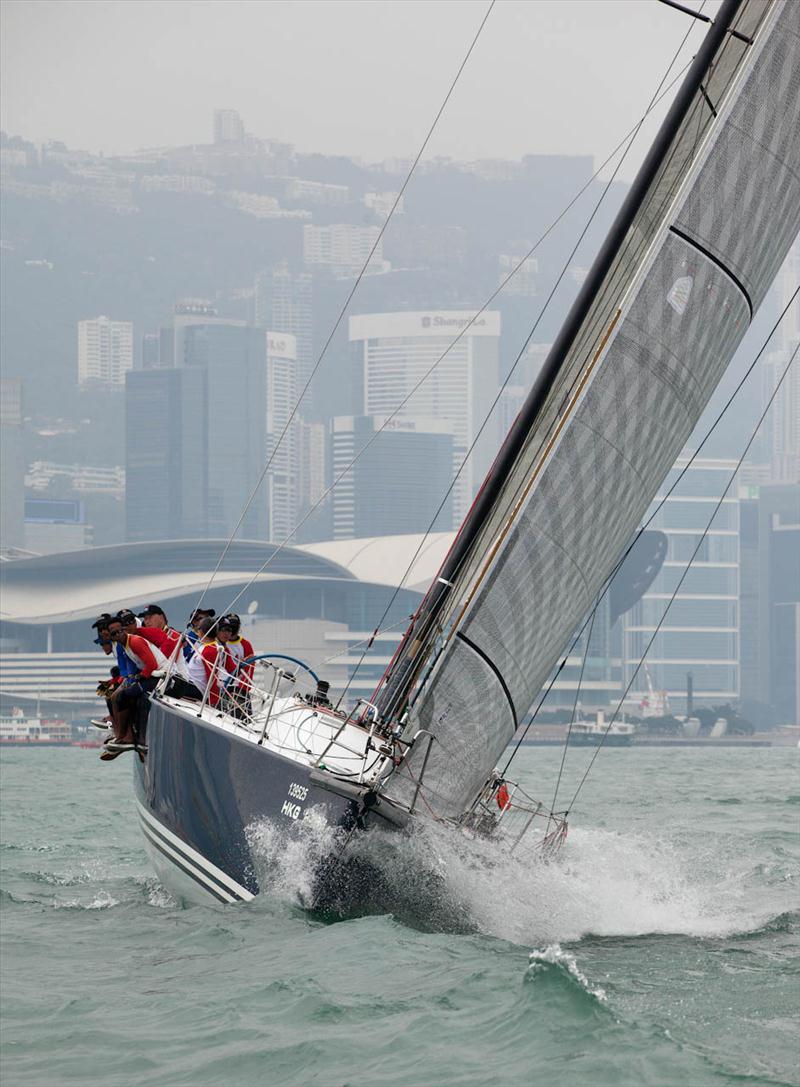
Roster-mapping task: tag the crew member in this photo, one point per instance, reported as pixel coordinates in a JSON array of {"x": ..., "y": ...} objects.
[
  {"x": 191, "y": 634},
  {"x": 102, "y": 639},
  {"x": 210, "y": 663},
  {"x": 239, "y": 647},
  {"x": 237, "y": 684},
  {"x": 156, "y": 628},
  {"x": 130, "y": 704}
]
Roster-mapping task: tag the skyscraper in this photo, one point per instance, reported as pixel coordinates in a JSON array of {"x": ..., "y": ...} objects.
[
  {"x": 312, "y": 513},
  {"x": 284, "y": 303},
  {"x": 105, "y": 351},
  {"x": 232, "y": 355},
  {"x": 700, "y": 633},
  {"x": 398, "y": 484},
  {"x": 281, "y": 481},
  {"x": 770, "y": 602},
  {"x": 151, "y": 353},
  {"x": 167, "y": 452},
  {"x": 397, "y": 350}
]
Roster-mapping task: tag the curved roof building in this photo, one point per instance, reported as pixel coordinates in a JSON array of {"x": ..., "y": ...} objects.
[
  {"x": 77, "y": 585},
  {"x": 336, "y": 591}
]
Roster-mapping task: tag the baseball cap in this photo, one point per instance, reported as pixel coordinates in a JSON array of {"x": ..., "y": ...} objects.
[
  {"x": 199, "y": 613},
  {"x": 152, "y": 609}
]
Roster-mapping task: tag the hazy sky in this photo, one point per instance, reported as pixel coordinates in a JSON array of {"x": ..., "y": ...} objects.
[{"x": 359, "y": 77}]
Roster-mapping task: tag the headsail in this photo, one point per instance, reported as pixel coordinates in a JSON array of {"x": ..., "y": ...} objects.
[{"x": 694, "y": 250}]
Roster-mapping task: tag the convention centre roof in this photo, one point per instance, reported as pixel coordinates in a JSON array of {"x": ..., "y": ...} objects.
[{"x": 75, "y": 584}]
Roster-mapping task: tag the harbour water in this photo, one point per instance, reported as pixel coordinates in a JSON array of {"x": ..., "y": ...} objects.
[{"x": 661, "y": 948}]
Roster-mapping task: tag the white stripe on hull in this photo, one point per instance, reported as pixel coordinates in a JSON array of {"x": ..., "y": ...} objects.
[
  {"x": 161, "y": 852},
  {"x": 219, "y": 883}
]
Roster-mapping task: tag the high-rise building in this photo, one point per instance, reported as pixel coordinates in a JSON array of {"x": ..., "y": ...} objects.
[
  {"x": 228, "y": 126},
  {"x": 203, "y": 410},
  {"x": 313, "y": 519},
  {"x": 700, "y": 633},
  {"x": 151, "y": 351},
  {"x": 105, "y": 351},
  {"x": 284, "y": 303},
  {"x": 524, "y": 279},
  {"x": 770, "y": 602},
  {"x": 232, "y": 355},
  {"x": 344, "y": 246},
  {"x": 167, "y": 452},
  {"x": 12, "y": 464},
  {"x": 281, "y": 481},
  {"x": 398, "y": 484},
  {"x": 411, "y": 359}
]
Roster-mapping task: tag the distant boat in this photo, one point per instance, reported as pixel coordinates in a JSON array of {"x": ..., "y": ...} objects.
[
  {"x": 18, "y": 730},
  {"x": 597, "y": 732},
  {"x": 694, "y": 249}
]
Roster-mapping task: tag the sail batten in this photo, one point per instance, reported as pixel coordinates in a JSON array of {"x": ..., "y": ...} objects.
[{"x": 715, "y": 210}]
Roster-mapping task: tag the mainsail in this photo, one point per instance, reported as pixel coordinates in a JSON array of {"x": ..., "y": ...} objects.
[{"x": 704, "y": 230}]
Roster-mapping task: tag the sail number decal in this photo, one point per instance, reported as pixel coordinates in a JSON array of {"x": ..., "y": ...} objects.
[{"x": 296, "y": 792}]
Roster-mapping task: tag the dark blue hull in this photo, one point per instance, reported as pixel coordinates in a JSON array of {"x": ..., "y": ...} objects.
[{"x": 201, "y": 787}]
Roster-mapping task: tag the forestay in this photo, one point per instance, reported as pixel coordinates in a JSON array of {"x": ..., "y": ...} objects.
[{"x": 695, "y": 249}]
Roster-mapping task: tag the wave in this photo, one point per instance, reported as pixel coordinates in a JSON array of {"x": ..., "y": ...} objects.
[
  {"x": 602, "y": 883},
  {"x": 553, "y": 960},
  {"x": 787, "y": 922},
  {"x": 101, "y": 901},
  {"x": 94, "y": 886}
]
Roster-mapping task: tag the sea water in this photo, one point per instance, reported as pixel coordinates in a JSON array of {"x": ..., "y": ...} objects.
[{"x": 659, "y": 948}]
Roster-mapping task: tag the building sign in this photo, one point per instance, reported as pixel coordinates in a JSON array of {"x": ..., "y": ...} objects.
[
  {"x": 441, "y": 323},
  {"x": 281, "y": 345}
]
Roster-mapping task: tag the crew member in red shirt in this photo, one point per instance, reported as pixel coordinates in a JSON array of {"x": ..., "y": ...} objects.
[
  {"x": 211, "y": 664},
  {"x": 240, "y": 650},
  {"x": 238, "y": 646},
  {"x": 156, "y": 628}
]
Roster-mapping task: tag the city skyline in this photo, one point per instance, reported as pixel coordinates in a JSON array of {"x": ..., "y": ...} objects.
[
  {"x": 573, "y": 47},
  {"x": 215, "y": 364}
]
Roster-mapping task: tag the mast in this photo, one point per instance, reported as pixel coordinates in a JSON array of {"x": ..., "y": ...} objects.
[{"x": 402, "y": 672}]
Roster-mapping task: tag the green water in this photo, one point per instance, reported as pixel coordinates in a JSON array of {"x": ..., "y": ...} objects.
[{"x": 661, "y": 948}]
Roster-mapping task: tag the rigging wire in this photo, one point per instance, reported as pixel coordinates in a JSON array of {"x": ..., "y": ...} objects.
[
  {"x": 574, "y": 710},
  {"x": 630, "y": 137},
  {"x": 607, "y": 584},
  {"x": 279, "y": 547},
  {"x": 348, "y": 300},
  {"x": 716, "y": 509}
]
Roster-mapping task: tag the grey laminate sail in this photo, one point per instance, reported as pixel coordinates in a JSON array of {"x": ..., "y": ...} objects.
[{"x": 718, "y": 212}]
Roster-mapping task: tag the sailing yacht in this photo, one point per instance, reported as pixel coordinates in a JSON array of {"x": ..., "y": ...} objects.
[{"x": 688, "y": 261}]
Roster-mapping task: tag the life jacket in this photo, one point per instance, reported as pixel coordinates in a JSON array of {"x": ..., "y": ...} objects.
[{"x": 503, "y": 797}]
